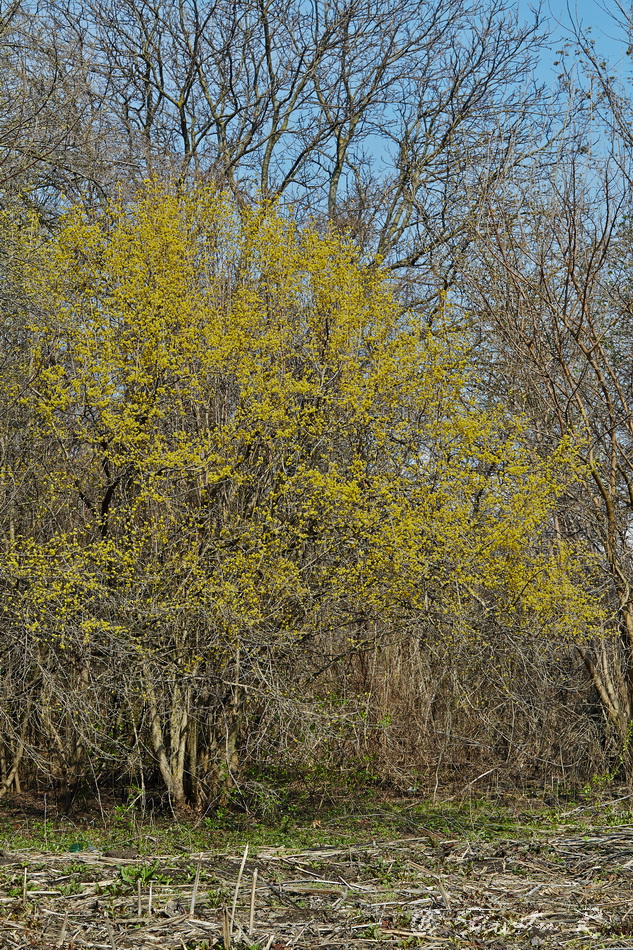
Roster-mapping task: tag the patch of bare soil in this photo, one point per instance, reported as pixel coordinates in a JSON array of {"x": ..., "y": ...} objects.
[{"x": 562, "y": 890}]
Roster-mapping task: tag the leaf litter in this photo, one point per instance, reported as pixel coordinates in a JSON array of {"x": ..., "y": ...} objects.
[{"x": 543, "y": 890}]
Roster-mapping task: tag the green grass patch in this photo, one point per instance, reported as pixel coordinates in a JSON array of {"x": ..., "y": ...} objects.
[{"x": 299, "y": 822}]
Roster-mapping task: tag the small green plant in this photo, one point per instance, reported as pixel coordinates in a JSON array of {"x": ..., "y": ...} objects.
[
  {"x": 143, "y": 874},
  {"x": 372, "y": 933},
  {"x": 599, "y": 783},
  {"x": 67, "y": 890},
  {"x": 218, "y": 896}
]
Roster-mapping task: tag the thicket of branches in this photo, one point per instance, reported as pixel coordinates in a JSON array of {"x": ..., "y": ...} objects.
[{"x": 315, "y": 397}]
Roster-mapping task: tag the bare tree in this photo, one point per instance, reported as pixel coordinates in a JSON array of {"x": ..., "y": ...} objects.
[
  {"x": 551, "y": 285},
  {"x": 395, "y": 121}
]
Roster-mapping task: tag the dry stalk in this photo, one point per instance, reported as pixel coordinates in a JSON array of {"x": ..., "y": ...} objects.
[
  {"x": 226, "y": 929},
  {"x": 194, "y": 893},
  {"x": 108, "y": 927},
  {"x": 445, "y": 899},
  {"x": 237, "y": 888},
  {"x": 62, "y": 932},
  {"x": 251, "y": 913}
]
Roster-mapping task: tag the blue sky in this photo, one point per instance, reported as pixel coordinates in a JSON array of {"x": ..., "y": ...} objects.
[{"x": 610, "y": 40}]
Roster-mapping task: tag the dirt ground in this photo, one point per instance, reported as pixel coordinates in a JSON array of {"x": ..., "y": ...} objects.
[{"x": 569, "y": 887}]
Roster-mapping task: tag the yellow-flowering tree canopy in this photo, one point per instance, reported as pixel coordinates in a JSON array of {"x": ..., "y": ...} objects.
[{"x": 245, "y": 444}]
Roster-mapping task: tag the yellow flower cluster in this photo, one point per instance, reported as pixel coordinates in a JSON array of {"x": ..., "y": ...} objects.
[{"x": 247, "y": 437}]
